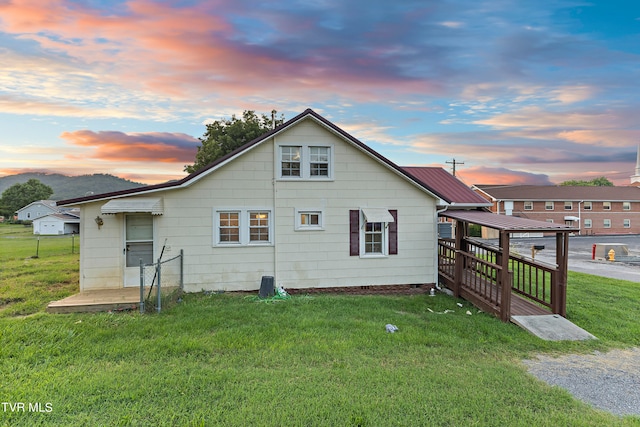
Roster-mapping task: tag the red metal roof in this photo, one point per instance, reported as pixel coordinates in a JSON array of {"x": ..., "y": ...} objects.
[{"x": 447, "y": 186}]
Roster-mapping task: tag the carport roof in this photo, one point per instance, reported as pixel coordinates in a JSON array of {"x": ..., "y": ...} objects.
[{"x": 507, "y": 223}]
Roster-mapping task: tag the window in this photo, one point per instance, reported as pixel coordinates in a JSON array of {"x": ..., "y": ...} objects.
[
  {"x": 259, "y": 226},
  {"x": 374, "y": 238},
  {"x": 373, "y": 232},
  {"x": 549, "y": 220},
  {"x": 626, "y": 206},
  {"x": 528, "y": 206},
  {"x": 319, "y": 161},
  {"x": 229, "y": 227},
  {"x": 587, "y": 223},
  {"x": 548, "y": 206},
  {"x": 239, "y": 227},
  {"x": 308, "y": 162},
  {"x": 627, "y": 223},
  {"x": 290, "y": 161},
  {"x": 607, "y": 223},
  {"x": 587, "y": 206},
  {"x": 309, "y": 219},
  {"x": 568, "y": 206},
  {"x": 606, "y": 206},
  {"x": 139, "y": 239}
]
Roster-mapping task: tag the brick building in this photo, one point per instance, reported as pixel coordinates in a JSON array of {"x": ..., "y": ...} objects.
[{"x": 595, "y": 210}]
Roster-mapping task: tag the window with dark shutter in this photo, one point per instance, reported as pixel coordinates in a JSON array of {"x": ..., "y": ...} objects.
[
  {"x": 393, "y": 233},
  {"x": 354, "y": 232}
]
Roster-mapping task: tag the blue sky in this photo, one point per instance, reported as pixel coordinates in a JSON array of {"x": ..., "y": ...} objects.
[{"x": 521, "y": 92}]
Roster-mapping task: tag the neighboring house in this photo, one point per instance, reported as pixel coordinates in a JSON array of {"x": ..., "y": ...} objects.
[
  {"x": 57, "y": 223},
  {"x": 36, "y": 210},
  {"x": 594, "y": 210},
  {"x": 306, "y": 203}
]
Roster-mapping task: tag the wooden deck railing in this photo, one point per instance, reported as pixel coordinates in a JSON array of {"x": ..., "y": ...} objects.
[{"x": 479, "y": 273}]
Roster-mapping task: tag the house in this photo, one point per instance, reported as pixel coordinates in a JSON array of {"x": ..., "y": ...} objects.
[
  {"x": 57, "y": 223},
  {"x": 36, "y": 210},
  {"x": 593, "y": 210},
  {"x": 306, "y": 203}
]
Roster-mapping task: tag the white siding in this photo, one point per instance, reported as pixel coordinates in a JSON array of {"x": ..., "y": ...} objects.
[
  {"x": 303, "y": 258},
  {"x": 188, "y": 223},
  {"x": 321, "y": 258},
  {"x": 101, "y": 256}
]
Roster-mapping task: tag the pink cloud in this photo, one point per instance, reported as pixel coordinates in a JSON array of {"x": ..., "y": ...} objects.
[
  {"x": 135, "y": 147},
  {"x": 183, "y": 52},
  {"x": 489, "y": 175}
]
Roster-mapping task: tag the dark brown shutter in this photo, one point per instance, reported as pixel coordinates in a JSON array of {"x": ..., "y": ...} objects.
[
  {"x": 354, "y": 232},
  {"x": 393, "y": 233}
]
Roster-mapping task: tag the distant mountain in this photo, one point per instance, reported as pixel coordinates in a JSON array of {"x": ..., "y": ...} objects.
[{"x": 70, "y": 187}]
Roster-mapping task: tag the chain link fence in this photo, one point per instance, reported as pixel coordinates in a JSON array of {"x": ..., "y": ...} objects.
[{"x": 161, "y": 282}]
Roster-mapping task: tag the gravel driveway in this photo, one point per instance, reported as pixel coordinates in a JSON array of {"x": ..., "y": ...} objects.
[{"x": 608, "y": 381}]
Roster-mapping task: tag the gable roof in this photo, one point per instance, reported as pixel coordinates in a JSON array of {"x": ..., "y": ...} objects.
[
  {"x": 559, "y": 192},
  {"x": 64, "y": 217},
  {"x": 454, "y": 191},
  {"x": 443, "y": 194},
  {"x": 51, "y": 204}
]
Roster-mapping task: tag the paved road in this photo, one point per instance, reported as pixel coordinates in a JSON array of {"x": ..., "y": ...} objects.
[{"x": 580, "y": 248}]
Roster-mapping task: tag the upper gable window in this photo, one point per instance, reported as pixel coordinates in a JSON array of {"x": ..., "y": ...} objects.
[
  {"x": 290, "y": 161},
  {"x": 310, "y": 162},
  {"x": 319, "y": 161}
]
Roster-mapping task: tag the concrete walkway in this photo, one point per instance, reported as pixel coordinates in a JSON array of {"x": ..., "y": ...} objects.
[{"x": 552, "y": 327}]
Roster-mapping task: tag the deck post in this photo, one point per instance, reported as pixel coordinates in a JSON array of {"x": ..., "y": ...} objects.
[
  {"x": 559, "y": 288},
  {"x": 505, "y": 279},
  {"x": 459, "y": 260}
]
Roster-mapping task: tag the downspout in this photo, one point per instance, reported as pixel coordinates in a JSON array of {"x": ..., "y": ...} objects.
[
  {"x": 435, "y": 259},
  {"x": 275, "y": 192}
]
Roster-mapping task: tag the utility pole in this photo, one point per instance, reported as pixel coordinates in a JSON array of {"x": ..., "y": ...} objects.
[{"x": 454, "y": 163}]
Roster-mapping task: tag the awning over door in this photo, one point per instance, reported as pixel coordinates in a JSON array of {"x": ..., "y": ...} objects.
[
  {"x": 377, "y": 215},
  {"x": 150, "y": 205},
  {"x": 571, "y": 218}
]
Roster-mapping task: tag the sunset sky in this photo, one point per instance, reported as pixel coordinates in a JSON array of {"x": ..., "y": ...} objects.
[{"x": 526, "y": 91}]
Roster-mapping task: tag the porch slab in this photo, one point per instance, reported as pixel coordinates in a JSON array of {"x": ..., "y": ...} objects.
[
  {"x": 98, "y": 300},
  {"x": 552, "y": 327}
]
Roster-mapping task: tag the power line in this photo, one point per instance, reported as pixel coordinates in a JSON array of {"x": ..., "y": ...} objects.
[{"x": 454, "y": 163}]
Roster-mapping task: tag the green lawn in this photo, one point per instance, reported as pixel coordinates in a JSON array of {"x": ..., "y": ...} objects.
[
  {"x": 35, "y": 271},
  {"x": 308, "y": 361}
]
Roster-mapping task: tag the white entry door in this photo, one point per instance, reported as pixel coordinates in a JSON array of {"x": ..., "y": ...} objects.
[{"x": 138, "y": 246}]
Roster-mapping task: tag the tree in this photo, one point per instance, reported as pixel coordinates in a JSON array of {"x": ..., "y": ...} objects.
[
  {"x": 224, "y": 136},
  {"x": 596, "y": 182},
  {"x": 20, "y": 195}
]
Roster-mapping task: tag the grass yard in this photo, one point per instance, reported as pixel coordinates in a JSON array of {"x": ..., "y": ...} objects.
[
  {"x": 27, "y": 283},
  {"x": 308, "y": 361}
]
